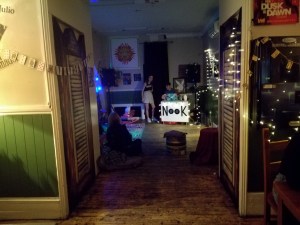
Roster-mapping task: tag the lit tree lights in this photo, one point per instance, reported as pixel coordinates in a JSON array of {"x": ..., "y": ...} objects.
[{"x": 207, "y": 96}]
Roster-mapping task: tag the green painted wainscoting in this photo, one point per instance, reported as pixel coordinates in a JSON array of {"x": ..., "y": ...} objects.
[{"x": 27, "y": 156}]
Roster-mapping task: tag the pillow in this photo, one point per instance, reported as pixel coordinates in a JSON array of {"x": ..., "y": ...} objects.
[{"x": 112, "y": 157}]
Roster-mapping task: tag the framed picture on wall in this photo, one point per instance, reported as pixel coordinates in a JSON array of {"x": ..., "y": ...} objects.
[
  {"x": 137, "y": 77},
  {"x": 124, "y": 53},
  {"x": 179, "y": 85},
  {"x": 126, "y": 78},
  {"x": 275, "y": 12}
]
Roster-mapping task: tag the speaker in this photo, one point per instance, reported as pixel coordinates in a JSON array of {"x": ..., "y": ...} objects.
[
  {"x": 108, "y": 77},
  {"x": 193, "y": 73}
]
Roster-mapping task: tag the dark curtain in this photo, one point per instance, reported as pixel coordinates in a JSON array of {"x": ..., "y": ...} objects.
[{"x": 156, "y": 64}]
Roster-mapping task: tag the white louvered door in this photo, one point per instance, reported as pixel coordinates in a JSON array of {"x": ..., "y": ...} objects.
[{"x": 228, "y": 109}]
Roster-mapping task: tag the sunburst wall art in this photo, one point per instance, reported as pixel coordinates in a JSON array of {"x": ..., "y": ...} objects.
[{"x": 124, "y": 53}]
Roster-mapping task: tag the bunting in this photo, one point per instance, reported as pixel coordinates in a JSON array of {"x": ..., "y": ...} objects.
[
  {"x": 275, "y": 53},
  {"x": 9, "y": 57}
]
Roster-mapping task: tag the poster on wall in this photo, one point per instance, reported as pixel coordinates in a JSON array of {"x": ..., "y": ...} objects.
[
  {"x": 267, "y": 12},
  {"x": 179, "y": 85},
  {"x": 137, "y": 77},
  {"x": 124, "y": 53},
  {"x": 126, "y": 78}
]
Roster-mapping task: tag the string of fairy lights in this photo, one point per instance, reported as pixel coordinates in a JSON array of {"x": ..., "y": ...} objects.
[
  {"x": 230, "y": 92},
  {"x": 230, "y": 85},
  {"x": 285, "y": 92},
  {"x": 212, "y": 78},
  {"x": 214, "y": 83},
  {"x": 212, "y": 72}
]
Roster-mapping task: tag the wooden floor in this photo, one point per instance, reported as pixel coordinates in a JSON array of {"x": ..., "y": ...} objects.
[{"x": 165, "y": 190}]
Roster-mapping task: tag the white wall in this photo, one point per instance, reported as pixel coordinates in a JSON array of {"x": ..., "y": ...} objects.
[
  {"x": 22, "y": 88},
  {"x": 184, "y": 51},
  {"x": 275, "y": 30},
  {"x": 229, "y": 7},
  {"x": 180, "y": 51},
  {"x": 101, "y": 59},
  {"x": 101, "y": 50},
  {"x": 102, "y": 55},
  {"x": 135, "y": 85}
]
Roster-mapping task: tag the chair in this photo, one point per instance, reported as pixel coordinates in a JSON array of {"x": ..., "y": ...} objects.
[{"x": 272, "y": 154}]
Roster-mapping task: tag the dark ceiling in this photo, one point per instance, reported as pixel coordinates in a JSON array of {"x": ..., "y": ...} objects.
[{"x": 153, "y": 17}]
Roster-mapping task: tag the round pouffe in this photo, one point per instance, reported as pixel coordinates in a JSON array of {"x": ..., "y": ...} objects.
[{"x": 176, "y": 142}]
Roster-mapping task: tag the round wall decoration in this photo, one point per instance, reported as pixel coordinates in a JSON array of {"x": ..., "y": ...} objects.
[{"x": 124, "y": 53}]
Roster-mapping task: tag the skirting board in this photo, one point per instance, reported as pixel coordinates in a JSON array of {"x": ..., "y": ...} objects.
[
  {"x": 32, "y": 208},
  {"x": 255, "y": 203}
]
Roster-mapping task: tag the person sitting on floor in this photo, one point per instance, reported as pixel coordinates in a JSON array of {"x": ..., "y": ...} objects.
[
  {"x": 118, "y": 151},
  {"x": 119, "y": 138}
]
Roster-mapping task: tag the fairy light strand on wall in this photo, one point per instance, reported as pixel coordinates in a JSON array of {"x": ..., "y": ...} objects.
[{"x": 281, "y": 90}]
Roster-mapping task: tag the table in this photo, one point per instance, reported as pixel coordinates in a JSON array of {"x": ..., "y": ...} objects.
[
  {"x": 288, "y": 204},
  {"x": 207, "y": 147}
]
